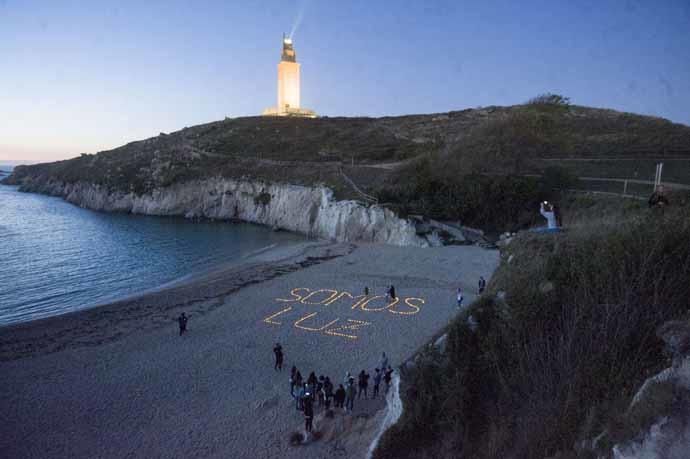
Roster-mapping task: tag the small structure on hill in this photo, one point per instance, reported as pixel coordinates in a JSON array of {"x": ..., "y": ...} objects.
[{"x": 289, "y": 85}]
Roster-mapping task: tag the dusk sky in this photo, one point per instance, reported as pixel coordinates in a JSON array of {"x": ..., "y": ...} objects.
[{"x": 78, "y": 76}]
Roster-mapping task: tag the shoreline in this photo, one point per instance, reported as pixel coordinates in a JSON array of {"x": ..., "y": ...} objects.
[
  {"x": 181, "y": 281},
  {"x": 200, "y": 290},
  {"x": 119, "y": 294},
  {"x": 121, "y": 381}
]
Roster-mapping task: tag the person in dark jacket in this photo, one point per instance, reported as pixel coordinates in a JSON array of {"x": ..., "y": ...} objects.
[
  {"x": 658, "y": 198},
  {"x": 300, "y": 391},
  {"x": 328, "y": 391},
  {"x": 319, "y": 391},
  {"x": 311, "y": 380},
  {"x": 308, "y": 412},
  {"x": 482, "y": 285},
  {"x": 387, "y": 377},
  {"x": 363, "y": 384},
  {"x": 339, "y": 396},
  {"x": 278, "y": 351},
  {"x": 293, "y": 376},
  {"x": 182, "y": 321}
]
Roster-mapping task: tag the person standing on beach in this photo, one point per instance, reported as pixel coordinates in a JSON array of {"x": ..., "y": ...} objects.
[
  {"x": 360, "y": 384},
  {"x": 293, "y": 375},
  {"x": 363, "y": 384},
  {"x": 392, "y": 292},
  {"x": 300, "y": 394},
  {"x": 482, "y": 284},
  {"x": 308, "y": 412},
  {"x": 350, "y": 395},
  {"x": 298, "y": 385},
  {"x": 319, "y": 391},
  {"x": 278, "y": 351},
  {"x": 366, "y": 291},
  {"x": 387, "y": 377},
  {"x": 182, "y": 321},
  {"x": 312, "y": 382},
  {"x": 328, "y": 391},
  {"x": 339, "y": 396},
  {"x": 460, "y": 297},
  {"x": 377, "y": 382}
]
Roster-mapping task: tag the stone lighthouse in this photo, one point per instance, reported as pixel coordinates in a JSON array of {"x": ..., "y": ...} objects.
[{"x": 289, "y": 85}]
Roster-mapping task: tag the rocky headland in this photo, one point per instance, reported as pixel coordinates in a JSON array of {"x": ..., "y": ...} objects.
[{"x": 354, "y": 179}]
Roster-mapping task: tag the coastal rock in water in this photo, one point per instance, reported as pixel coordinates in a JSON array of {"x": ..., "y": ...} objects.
[{"x": 312, "y": 211}]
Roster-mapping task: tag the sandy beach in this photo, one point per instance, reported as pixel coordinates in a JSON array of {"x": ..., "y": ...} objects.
[{"x": 119, "y": 381}]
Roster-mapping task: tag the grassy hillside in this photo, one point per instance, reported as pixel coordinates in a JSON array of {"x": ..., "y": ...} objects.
[
  {"x": 552, "y": 354},
  {"x": 438, "y": 164}
]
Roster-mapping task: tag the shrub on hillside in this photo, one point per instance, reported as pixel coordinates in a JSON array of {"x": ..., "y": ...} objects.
[
  {"x": 441, "y": 190},
  {"x": 550, "y": 99},
  {"x": 507, "y": 141},
  {"x": 531, "y": 375}
]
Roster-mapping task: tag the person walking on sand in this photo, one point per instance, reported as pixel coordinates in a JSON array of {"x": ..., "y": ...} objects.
[
  {"x": 328, "y": 391},
  {"x": 298, "y": 379},
  {"x": 482, "y": 285},
  {"x": 182, "y": 321},
  {"x": 308, "y": 412},
  {"x": 387, "y": 377},
  {"x": 311, "y": 380},
  {"x": 363, "y": 384},
  {"x": 300, "y": 396},
  {"x": 339, "y": 396},
  {"x": 460, "y": 297},
  {"x": 278, "y": 351},
  {"x": 293, "y": 375},
  {"x": 377, "y": 382},
  {"x": 319, "y": 391},
  {"x": 350, "y": 395}
]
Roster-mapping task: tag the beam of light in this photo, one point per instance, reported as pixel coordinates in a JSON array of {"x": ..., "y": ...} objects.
[{"x": 298, "y": 19}]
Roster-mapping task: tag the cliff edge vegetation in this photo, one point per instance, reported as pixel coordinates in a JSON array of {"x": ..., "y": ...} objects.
[{"x": 546, "y": 362}]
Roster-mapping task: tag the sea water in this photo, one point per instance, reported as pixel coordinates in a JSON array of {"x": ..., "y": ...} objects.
[{"x": 56, "y": 257}]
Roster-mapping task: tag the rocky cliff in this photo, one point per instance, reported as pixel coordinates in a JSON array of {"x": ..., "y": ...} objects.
[{"x": 312, "y": 211}]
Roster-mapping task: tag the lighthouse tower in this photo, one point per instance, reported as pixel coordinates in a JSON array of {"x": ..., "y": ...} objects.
[
  {"x": 288, "y": 78},
  {"x": 288, "y": 85}
]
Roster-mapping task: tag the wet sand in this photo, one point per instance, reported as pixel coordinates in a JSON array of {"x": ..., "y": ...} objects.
[{"x": 118, "y": 380}]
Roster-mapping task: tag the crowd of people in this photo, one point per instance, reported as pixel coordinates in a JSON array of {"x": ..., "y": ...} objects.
[
  {"x": 320, "y": 392},
  {"x": 315, "y": 393}
]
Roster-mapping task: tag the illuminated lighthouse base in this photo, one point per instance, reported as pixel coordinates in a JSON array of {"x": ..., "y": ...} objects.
[
  {"x": 289, "y": 86},
  {"x": 289, "y": 111}
]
